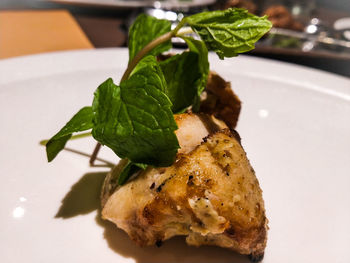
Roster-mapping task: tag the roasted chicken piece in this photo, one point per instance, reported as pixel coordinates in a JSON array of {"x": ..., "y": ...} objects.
[
  {"x": 210, "y": 194},
  {"x": 192, "y": 129}
]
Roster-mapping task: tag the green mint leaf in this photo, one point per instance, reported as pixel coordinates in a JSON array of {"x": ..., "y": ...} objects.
[
  {"x": 181, "y": 73},
  {"x": 230, "y": 31},
  {"x": 81, "y": 121},
  {"x": 135, "y": 120},
  {"x": 144, "y": 30},
  {"x": 148, "y": 68},
  {"x": 203, "y": 66},
  {"x": 129, "y": 169},
  {"x": 186, "y": 75}
]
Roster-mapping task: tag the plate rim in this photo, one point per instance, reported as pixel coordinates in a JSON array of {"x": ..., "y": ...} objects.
[
  {"x": 122, "y": 4},
  {"x": 59, "y": 62}
]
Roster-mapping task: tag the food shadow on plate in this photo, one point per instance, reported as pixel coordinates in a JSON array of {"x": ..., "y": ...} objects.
[
  {"x": 84, "y": 198},
  {"x": 84, "y": 195}
]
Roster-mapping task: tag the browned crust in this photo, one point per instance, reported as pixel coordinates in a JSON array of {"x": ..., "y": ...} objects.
[
  {"x": 147, "y": 225},
  {"x": 221, "y": 101}
]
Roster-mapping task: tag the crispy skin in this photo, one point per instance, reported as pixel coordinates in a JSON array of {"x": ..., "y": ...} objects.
[
  {"x": 192, "y": 129},
  {"x": 221, "y": 101},
  {"x": 210, "y": 194}
]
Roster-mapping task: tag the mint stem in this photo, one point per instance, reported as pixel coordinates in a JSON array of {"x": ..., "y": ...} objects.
[
  {"x": 151, "y": 45},
  {"x": 143, "y": 52},
  {"x": 94, "y": 154},
  {"x": 78, "y": 136}
]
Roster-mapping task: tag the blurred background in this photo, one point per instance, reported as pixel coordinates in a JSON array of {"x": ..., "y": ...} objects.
[{"x": 314, "y": 33}]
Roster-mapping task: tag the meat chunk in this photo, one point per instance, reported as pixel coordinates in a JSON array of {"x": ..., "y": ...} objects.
[
  {"x": 210, "y": 194},
  {"x": 193, "y": 128},
  {"x": 220, "y": 100}
]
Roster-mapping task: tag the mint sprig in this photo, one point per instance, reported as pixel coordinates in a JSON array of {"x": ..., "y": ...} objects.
[
  {"x": 229, "y": 32},
  {"x": 81, "y": 121},
  {"x": 135, "y": 118}
]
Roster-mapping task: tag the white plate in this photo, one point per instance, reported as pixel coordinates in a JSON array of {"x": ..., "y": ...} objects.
[
  {"x": 165, "y": 4},
  {"x": 295, "y": 127}
]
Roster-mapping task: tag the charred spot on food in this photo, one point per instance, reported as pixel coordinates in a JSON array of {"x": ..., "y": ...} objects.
[
  {"x": 227, "y": 153},
  {"x": 256, "y": 258},
  {"x": 200, "y": 223},
  {"x": 147, "y": 214},
  {"x": 159, "y": 188},
  {"x": 227, "y": 169},
  {"x": 230, "y": 231},
  {"x": 159, "y": 243},
  {"x": 190, "y": 181}
]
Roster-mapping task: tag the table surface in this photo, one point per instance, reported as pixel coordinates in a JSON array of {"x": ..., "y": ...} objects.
[{"x": 26, "y": 32}]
